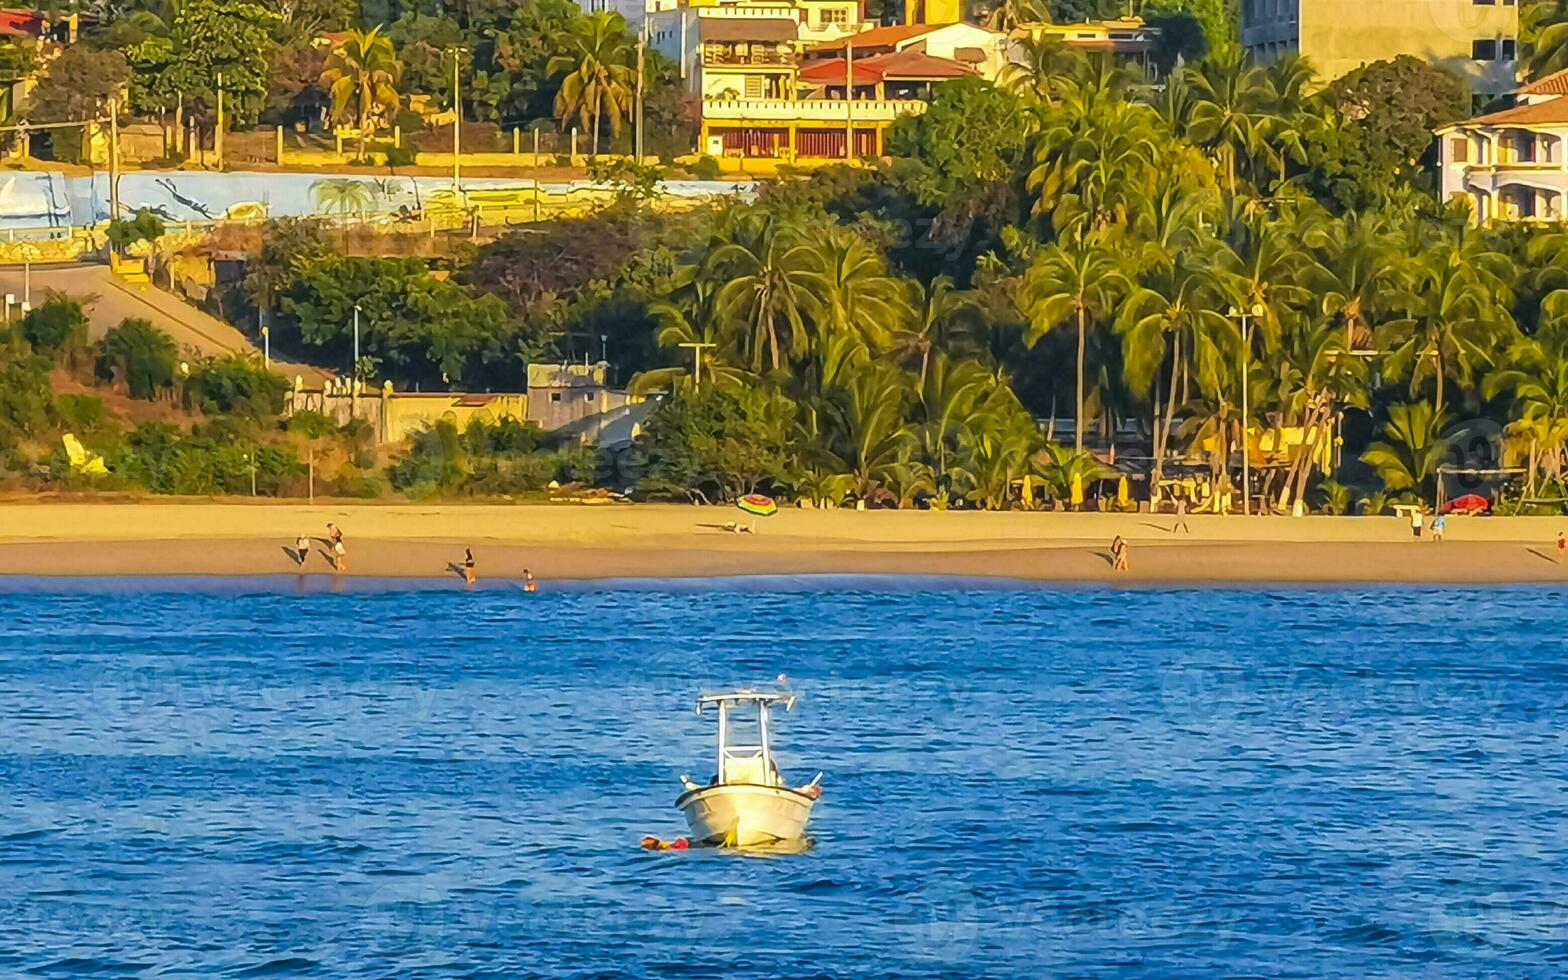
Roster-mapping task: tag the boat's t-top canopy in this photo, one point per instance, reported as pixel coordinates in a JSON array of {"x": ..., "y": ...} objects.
[
  {"x": 749, "y": 763},
  {"x": 745, "y": 696}
]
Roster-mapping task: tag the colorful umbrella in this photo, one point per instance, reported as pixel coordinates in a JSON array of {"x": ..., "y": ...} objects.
[{"x": 758, "y": 504}]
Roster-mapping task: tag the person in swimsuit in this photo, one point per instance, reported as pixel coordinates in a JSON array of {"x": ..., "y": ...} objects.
[
  {"x": 468, "y": 565},
  {"x": 529, "y": 585}
]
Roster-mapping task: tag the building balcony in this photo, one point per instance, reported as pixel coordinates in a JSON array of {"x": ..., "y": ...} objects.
[
  {"x": 756, "y": 59},
  {"x": 809, "y": 110}
]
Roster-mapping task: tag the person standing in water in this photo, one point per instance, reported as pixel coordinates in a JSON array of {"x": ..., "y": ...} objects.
[
  {"x": 529, "y": 585},
  {"x": 468, "y": 565}
]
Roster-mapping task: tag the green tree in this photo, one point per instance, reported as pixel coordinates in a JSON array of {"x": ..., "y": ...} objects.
[
  {"x": 205, "y": 41},
  {"x": 361, "y": 76},
  {"x": 1411, "y": 450},
  {"x": 1078, "y": 282},
  {"x": 766, "y": 292},
  {"x": 599, "y": 75},
  {"x": 139, "y": 356},
  {"x": 1457, "y": 314},
  {"x": 57, "y": 328},
  {"x": 1378, "y": 143}
]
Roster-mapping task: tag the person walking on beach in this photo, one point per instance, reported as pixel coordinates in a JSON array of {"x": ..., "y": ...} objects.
[
  {"x": 468, "y": 565},
  {"x": 334, "y": 533},
  {"x": 302, "y": 547},
  {"x": 529, "y": 585},
  {"x": 1562, "y": 547},
  {"x": 1181, "y": 516},
  {"x": 339, "y": 556},
  {"x": 1415, "y": 522},
  {"x": 1119, "y": 555},
  {"x": 1439, "y": 525}
]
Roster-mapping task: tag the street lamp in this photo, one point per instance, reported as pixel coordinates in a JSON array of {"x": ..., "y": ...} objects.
[{"x": 1246, "y": 362}]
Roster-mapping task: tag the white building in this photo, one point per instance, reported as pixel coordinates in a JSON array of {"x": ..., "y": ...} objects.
[{"x": 1510, "y": 165}]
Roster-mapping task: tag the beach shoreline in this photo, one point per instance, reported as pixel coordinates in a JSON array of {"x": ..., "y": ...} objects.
[{"x": 652, "y": 542}]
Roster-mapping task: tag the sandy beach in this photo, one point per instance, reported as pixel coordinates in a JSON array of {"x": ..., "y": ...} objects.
[{"x": 565, "y": 541}]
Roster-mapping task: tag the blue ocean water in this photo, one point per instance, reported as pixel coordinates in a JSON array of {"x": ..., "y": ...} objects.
[{"x": 1019, "y": 782}]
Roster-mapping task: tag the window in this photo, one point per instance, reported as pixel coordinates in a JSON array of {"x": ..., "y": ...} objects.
[
  {"x": 555, "y": 396},
  {"x": 1459, "y": 150},
  {"x": 1483, "y": 3},
  {"x": 1510, "y": 49},
  {"x": 838, "y": 17},
  {"x": 1484, "y": 49}
]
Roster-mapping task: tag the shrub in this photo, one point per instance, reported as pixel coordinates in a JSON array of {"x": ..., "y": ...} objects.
[
  {"x": 235, "y": 386},
  {"x": 57, "y": 329},
  {"x": 139, "y": 356},
  {"x": 79, "y": 413},
  {"x": 706, "y": 168}
]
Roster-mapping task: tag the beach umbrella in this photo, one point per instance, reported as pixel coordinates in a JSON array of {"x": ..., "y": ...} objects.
[
  {"x": 1077, "y": 489},
  {"x": 1122, "y": 492},
  {"x": 1470, "y": 503},
  {"x": 758, "y": 505}
]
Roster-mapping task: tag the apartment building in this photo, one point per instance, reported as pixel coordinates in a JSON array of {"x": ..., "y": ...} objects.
[
  {"x": 1477, "y": 41},
  {"x": 1510, "y": 165}
]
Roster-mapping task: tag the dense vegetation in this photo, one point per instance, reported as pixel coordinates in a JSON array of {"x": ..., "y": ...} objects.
[
  {"x": 1090, "y": 252},
  {"x": 148, "y": 421}
]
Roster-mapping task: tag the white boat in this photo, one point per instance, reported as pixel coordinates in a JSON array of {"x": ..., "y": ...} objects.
[{"x": 747, "y": 804}]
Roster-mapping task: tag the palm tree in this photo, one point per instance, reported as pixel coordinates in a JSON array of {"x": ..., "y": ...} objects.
[
  {"x": 873, "y": 440},
  {"x": 1230, "y": 101},
  {"x": 362, "y": 76},
  {"x": 1458, "y": 312},
  {"x": 854, "y": 295},
  {"x": 950, "y": 401},
  {"x": 1535, "y": 376},
  {"x": 1544, "y": 29},
  {"x": 1175, "y": 313},
  {"x": 1284, "y": 131},
  {"x": 1360, "y": 272},
  {"x": 939, "y": 310},
  {"x": 1411, "y": 450},
  {"x": 600, "y": 74},
  {"x": 1078, "y": 281},
  {"x": 767, "y": 279}
]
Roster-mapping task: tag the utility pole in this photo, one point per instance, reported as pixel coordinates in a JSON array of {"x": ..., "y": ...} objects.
[
  {"x": 642, "y": 43},
  {"x": 354, "y": 376},
  {"x": 217, "y": 135},
  {"x": 114, "y": 158},
  {"x": 849, "y": 99},
  {"x": 457, "y": 126},
  {"x": 696, "y": 354}
]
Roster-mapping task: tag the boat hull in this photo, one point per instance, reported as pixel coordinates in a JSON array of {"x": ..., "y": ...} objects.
[{"x": 745, "y": 814}]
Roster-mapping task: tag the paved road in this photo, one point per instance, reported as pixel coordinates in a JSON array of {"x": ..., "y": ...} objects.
[{"x": 109, "y": 300}]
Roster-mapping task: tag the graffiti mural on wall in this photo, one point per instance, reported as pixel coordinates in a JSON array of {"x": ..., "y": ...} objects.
[{"x": 51, "y": 200}]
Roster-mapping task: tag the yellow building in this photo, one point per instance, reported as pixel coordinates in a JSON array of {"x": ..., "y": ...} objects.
[
  {"x": 1475, "y": 39},
  {"x": 933, "y": 11},
  {"x": 1128, "y": 40}
]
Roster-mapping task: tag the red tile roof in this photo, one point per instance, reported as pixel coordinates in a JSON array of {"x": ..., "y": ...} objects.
[
  {"x": 1550, "y": 111},
  {"x": 1554, "y": 84},
  {"x": 21, "y": 23},
  {"x": 879, "y": 37},
  {"x": 878, "y": 68}
]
